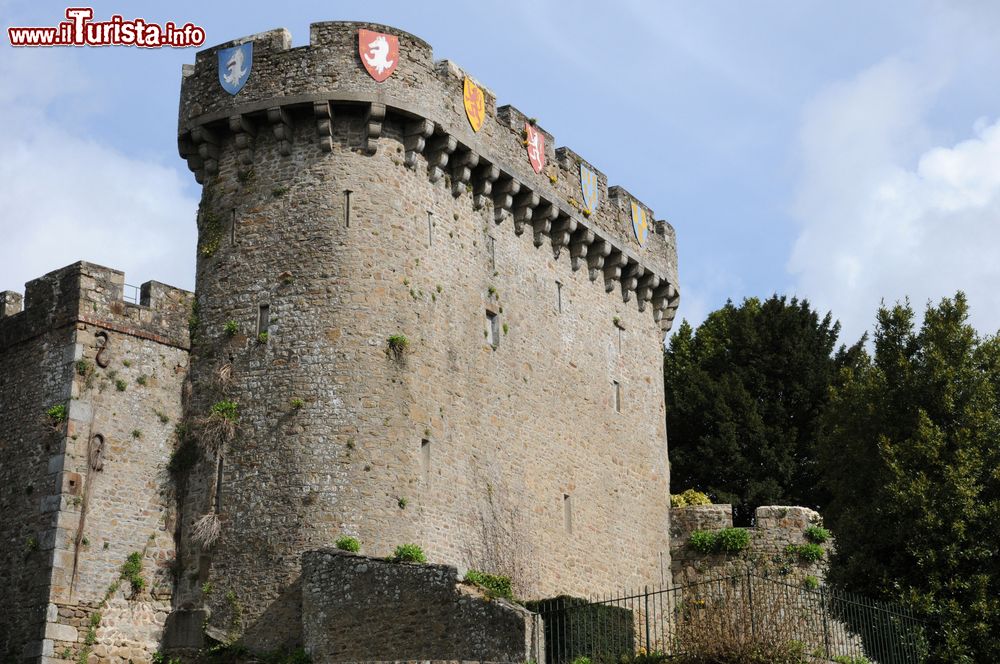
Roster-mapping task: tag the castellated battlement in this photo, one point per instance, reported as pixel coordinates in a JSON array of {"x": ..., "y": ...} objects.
[
  {"x": 777, "y": 530},
  {"x": 88, "y": 293},
  {"x": 320, "y": 95}
]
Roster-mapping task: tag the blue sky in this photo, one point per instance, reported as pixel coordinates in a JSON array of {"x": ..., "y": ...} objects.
[{"x": 842, "y": 152}]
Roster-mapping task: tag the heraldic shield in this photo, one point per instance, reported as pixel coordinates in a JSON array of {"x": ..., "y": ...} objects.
[
  {"x": 535, "y": 143},
  {"x": 379, "y": 53},
  {"x": 640, "y": 223},
  {"x": 234, "y": 67},
  {"x": 475, "y": 104},
  {"x": 588, "y": 185}
]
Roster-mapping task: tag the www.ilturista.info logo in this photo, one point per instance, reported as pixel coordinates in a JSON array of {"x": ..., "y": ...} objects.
[{"x": 80, "y": 30}]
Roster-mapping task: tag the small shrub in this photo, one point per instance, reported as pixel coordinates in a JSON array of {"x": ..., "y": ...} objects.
[
  {"x": 409, "y": 553},
  {"x": 495, "y": 585},
  {"x": 732, "y": 540},
  {"x": 727, "y": 540},
  {"x": 847, "y": 659},
  {"x": 84, "y": 367},
  {"x": 262, "y": 338},
  {"x": 808, "y": 553},
  {"x": 817, "y": 534},
  {"x": 277, "y": 192},
  {"x": 207, "y": 588},
  {"x": 164, "y": 418},
  {"x": 702, "y": 541},
  {"x": 136, "y": 433},
  {"x": 581, "y": 660},
  {"x": 810, "y": 582},
  {"x": 689, "y": 497},
  {"x": 142, "y": 380},
  {"x": 57, "y": 414},
  {"x": 227, "y": 409},
  {"x": 231, "y": 328},
  {"x": 132, "y": 572},
  {"x": 120, "y": 384},
  {"x": 402, "y": 502},
  {"x": 397, "y": 345},
  {"x": 348, "y": 543},
  {"x": 126, "y": 363},
  {"x": 297, "y": 403}
]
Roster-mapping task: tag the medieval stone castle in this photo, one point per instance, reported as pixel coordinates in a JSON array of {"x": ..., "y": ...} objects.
[{"x": 415, "y": 321}]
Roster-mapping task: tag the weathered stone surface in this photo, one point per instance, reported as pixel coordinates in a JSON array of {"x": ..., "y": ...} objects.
[
  {"x": 357, "y": 608},
  {"x": 483, "y": 426},
  {"x": 80, "y": 495}
]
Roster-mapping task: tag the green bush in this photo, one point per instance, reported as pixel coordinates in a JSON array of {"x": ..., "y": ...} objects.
[
  {"x": 57, "y": 414},
  {"x": 732, "y": 540},
  {"x": 808, "y": 553},
  {"x": 132, "y": 572},
  {"x": 575, "y": 628},
  {"x": 702, "y": 541},
  {"x": 727, "y": 540},
  {"x": 495, "y": 585},
  {"x": 231, "y": 328},
  {"x": 817, "y": 534},
  {"x": 409, "y": 553},
  {"x": 348, "y": 543},
  {"x": 847, "y": 659},
  {"x": 810, "y": 582},
  {"x": 227, "y": 409}
]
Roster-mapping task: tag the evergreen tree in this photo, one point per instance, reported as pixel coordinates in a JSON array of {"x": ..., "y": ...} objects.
[
  {"x": 910, "y": 452},
  {"x": 744, "y": 396}
]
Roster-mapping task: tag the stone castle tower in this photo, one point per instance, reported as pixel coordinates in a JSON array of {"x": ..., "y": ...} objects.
[{"x": 405, "y": 331}]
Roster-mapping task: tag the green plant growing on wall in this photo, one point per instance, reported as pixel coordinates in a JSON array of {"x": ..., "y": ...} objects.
[
  {"x": 136, "y": 433},
  {"x": 131, "y": 571},
  {"x": 235, "y": 615},
  {"x": 142, "y": 380},
  {"x": 84, "y": 367},
  {"x": 262, "y": 338},
  {"x": 120, "y": 384},
  {"x": 163, "y": 417},
  {"x": 227, "y": 409},
  {"x": 495, "y": 585},
  {"x": 402, "y": 502},
  {"x": 726, "y": 540},
  {"x": 810, "y": 582},
  {"x": 397, "y": 345},
  {"x": 57, "y": 415},
  {"x": 409, "y": 553},
  {"x": 348, "y": 543},
  {"x": 817, "y": 534},
  {"x": 808, "y": 553},
  {"x": 230, "y": 328},
  {"x": 278, "y": 192},
  {"x": 297, "y": 403}
]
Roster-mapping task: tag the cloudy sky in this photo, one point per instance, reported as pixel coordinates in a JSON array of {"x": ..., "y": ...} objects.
[{"x": 846, "y": 152}]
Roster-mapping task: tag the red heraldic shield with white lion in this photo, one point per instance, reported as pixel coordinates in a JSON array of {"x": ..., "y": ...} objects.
[{"x": 379, "y": 53}]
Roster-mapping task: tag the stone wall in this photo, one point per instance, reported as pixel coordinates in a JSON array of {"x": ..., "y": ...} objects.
[
  {"x": 541, "y": 440},
  {"x": 775, "y": 528},
  {"x": 357, "y": 608},
  {"x": 93, "y": 489}
]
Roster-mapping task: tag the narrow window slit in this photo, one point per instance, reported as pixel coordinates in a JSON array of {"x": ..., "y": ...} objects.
[
  {"x": 617, "y": 395},
  {"x": 263, "y": 318},
  {"x": 347, "y": 207},
  {"x": 559, "y": 296},
  {"x": 567, "y": 513},
  {"x": 425, "y": 458}
]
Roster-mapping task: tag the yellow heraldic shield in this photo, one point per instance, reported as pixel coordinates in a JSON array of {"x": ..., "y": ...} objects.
[
  {"x": 640, "y": 224},
  {"x": 475, "y": 104}
]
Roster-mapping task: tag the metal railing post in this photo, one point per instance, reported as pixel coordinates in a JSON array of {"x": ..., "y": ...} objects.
[{"x": 646, "y": 611}]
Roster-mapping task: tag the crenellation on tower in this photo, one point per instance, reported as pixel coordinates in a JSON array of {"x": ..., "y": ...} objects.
[{"x": 319, "y": 80}]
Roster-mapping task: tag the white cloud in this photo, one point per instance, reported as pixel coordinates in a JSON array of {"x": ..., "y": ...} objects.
[
  {"x": 884, "y": 214},
  {"x": 66, "y": 195}
]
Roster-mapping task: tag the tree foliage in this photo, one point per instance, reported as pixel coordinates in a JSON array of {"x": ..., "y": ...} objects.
[
  {"x": 910, "y": 451},
  {"x": 744, "y": 396}
]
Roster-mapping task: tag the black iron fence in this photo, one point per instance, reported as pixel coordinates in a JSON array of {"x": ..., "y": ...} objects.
[{"x": 743, "y": 613}]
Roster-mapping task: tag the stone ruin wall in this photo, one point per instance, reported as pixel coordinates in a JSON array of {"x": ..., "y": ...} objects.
[
  {"x": 443, "y": 227},
  {"x": 78, "y": 498},
  {"x": 775, "y": 528},
  {"x": 358, "y": 608}
]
